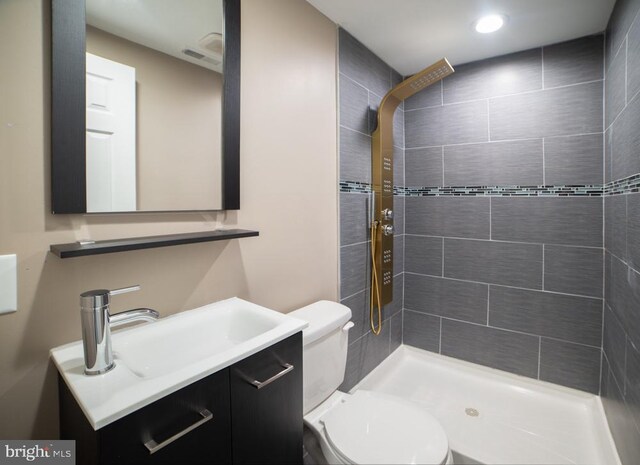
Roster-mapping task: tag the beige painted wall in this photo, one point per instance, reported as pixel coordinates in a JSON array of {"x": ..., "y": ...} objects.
[
  {"x": 178, "y": 126},
  {"x": 289, "y": 193}
]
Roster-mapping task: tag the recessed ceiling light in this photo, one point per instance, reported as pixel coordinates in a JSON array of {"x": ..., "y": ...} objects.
[{"x": 490, "y": 23}]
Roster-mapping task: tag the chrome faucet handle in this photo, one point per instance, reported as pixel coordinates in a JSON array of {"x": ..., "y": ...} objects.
[{"x": 124, "y": 290}]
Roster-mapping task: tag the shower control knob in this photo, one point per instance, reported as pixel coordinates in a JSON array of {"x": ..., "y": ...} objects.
[
  {"x": 387, "y": 229},
  {"x": 387, "y": 214}
]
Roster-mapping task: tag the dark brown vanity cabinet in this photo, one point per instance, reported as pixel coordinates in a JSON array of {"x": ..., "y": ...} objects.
[{"x": 248, "y": 413}]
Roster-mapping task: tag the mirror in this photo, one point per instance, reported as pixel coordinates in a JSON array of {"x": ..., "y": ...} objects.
[{"x": 145, "y": 105}]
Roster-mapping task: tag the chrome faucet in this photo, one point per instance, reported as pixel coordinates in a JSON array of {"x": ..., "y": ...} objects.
[{"x": 97, "y": 323}]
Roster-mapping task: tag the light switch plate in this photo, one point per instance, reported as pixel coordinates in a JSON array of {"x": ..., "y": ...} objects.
[{"x": 8, "y": 283}]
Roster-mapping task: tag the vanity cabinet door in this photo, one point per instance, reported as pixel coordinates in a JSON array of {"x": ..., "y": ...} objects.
[
  {"x": 199, "y": 411},
  {"x": 266, "y": 405}
]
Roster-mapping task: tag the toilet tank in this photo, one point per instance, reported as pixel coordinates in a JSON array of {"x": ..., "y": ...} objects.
[{"x": 324, "y": 355}]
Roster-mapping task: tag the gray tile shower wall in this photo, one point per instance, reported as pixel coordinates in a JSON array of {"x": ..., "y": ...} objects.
[
  {"x": 364, "y": 79},
  {"x": 514, "y": 283},
  {"x": 620, "y": 378}
]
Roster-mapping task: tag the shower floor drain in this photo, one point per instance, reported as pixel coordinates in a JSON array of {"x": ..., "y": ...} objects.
[{"x": 472, "y": 412}]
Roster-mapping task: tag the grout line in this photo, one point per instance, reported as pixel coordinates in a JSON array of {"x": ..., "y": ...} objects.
[
  {"x": 356, "y": 131},
  {"x": 420, "y": 147},
  {"x": 490, "y": 217},
  {"x": 544, "y": 168},
  {"x": 539, "y": 354},
  {"x": 488, "y": 297},
  {"x": 355, "y": 243},
  {"x": 507, "y": 242},
  {"x": 543, "y": 267},
  {"x": 500, "y": 328},
  {"x": 442, "y": 272},
  {"x": 507, "y": 95},
  {"x": 504, "y": 285}
]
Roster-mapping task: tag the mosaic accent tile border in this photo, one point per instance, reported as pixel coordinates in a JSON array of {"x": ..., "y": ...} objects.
[{"x": 621, "y": 186}]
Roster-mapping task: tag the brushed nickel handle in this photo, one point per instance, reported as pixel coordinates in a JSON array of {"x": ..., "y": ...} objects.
[
  {"x": 154, "y": 447},
  {"x": 260, "y": 384},
  {"x": 124, "y": 290}
]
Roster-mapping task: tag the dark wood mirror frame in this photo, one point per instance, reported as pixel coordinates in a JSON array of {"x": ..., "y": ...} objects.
[{"x": 68, "y": 120}]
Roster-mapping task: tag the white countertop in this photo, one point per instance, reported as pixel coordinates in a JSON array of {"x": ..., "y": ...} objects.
[{"x": 113, "y": 395}]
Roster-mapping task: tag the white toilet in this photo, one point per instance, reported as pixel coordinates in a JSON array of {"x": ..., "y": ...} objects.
[{"x": 364, "y": 427}]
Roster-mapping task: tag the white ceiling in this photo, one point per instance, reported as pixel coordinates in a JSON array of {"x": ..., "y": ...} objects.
[
  {"x": 168, "y": 26},
  {"x": 411, "y": 34}
]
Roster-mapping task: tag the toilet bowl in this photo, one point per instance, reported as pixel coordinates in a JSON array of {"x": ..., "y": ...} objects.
[{"x": 364, "y": 427}]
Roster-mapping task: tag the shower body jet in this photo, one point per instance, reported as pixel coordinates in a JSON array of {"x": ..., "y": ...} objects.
[{"x": 382, "y": 183}]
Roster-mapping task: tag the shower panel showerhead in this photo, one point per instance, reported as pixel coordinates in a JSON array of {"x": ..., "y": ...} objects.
[{"x": 382, "y": 178}]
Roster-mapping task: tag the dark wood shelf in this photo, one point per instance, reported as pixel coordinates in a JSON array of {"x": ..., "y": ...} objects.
[{"x": 77, "y": 249}]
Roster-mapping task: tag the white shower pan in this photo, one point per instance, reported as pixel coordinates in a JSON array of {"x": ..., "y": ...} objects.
[{"x": 493, "y": 417}]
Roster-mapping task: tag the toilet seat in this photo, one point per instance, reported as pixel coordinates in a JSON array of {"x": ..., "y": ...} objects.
[{"x": 369, "y": 427}]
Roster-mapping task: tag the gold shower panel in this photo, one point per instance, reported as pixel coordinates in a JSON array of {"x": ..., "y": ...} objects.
[{"x": 382, "y": 180}]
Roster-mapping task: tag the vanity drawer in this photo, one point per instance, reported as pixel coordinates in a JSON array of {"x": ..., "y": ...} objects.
[
  {"x": 190, "y": 426},
  {"x": 267, "y": 415}
]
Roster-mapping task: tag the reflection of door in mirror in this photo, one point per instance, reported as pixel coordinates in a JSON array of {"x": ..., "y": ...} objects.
[
  {"x": 174, "y": 48},
  {"x": 111, "y": 136}
]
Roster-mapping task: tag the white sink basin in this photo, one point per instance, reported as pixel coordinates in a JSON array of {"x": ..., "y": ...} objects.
[
  {"x": 163, "y": 347},
  {"x": 156, "y": 359}
]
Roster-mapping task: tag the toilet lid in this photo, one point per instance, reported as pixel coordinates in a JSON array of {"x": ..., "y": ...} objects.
[{"x": 375, "y": 428}]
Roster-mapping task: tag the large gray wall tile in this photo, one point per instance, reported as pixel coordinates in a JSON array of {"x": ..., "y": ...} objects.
[
  {"x": 361, "y": 65},
  {"x": 614, "y": 344},
  {"x": 571, "y": 365},
  {"x": 626, "y": 141},
  {"x": 374, "y": 103},
  {"x": 615, "y": 87},
  {"x": 448, "y": 216},
  {"x": 422, "y": 331},
  {"x": 423, "y": 167},
  {"x": 573, "y": 160},
  {"x": 446, "y": 297},
  {"x": 398, "y": 254},
  {"x": 570, "y": 318},
  {"x": 633, "y": 61},
  {"x": 619, "y": 23},
  {"x": 621, "y": 424},
  {"x": 364, "y": 355},
  {"x": 449, "y": 124},
  {"x": 625, "y": 298},
  {"x": 573, "y": 270},
  {"x": 506, "y": 263},
  {"x": 504, "y": 350},
  {"x": 398, "y": 166},
  {"x": 632, "y": 388},
  {"x": 396, "y": 305},
  {"x": 483, "y": 79},
  {"x": 398, "y": 128},
  {"x": 423, "y": 254},
  {"x": 608, "y": 140},
  {"x": 573, "y": 62},
  {"x": 355, "y": 156},
  {"x": 428, "y": 97},
  {"x": 353, "y": 218},
  {"x": 554, "y": 112},
  {"x": 511, "y": 163},
  {"x": 398, "y": 214},
  {"x": 633, "y": 230},
  {"x": 615, "y": 225},
  {"x": 395, "y": 332},
  {"x": 359, "y": 305},
  {"x": 354, "y": 105},
  {"x": 550, "y": 220},
  {"x": 354, "y": 266},
  {"x": 493, "y": 262}
]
